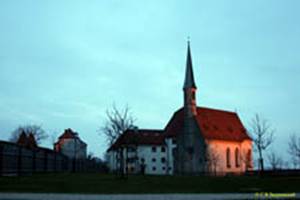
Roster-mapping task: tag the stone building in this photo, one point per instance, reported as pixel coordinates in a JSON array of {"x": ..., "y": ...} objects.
[
  {"x": 196, "y": 140},
  {"x": 71, "y": 145}
]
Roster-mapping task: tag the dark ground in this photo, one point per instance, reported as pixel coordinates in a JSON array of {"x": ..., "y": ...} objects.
[{"x": 94, "y": 183}]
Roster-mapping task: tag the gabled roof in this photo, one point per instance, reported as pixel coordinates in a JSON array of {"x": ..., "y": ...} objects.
[
  {"x": 214, "y": 125},
  {"x": 27, "y": 141},
  {"x": 22, "y": 140},
  {"x": 69, "y": 134},
  {"x": 140, "y": 137}
]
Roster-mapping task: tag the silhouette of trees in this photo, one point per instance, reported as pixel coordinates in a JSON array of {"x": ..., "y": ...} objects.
[
  {"x": 294, "y": 149},
  {"x": 117, "y": 122},
  {"x": 263, "y": 136},
  {"x": 213, "y": 159},
  {"x": 36, "y": 130},
  {"x": 275, "y": 161},
  {"x": 246, "y": 158}
]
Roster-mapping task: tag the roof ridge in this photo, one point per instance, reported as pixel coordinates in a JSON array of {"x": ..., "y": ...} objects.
[
  {"x": 208, "y": 108},
  {"x": 215, "y": 109}
]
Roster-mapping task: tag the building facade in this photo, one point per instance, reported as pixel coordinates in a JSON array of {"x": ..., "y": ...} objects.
[
  {"x": 196, "y": 140},
  {"x": 71, "y": 145}
]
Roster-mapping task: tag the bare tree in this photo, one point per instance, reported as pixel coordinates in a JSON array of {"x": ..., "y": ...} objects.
[
  {"x": 294, "y": 149},
  {"x": 246, "y": 158},
  {"x": 275, "y": 161},
  {"x": 36, "y": 130},
  {"x": 263, "y": 136},
  {"x": 117, "y": 122},
  {"x": 213, "y": 159}
]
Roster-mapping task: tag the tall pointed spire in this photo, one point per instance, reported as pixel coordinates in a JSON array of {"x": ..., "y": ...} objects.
[
  {"x": 189, "y": 81},
  {"x": 189, "y": 87}
]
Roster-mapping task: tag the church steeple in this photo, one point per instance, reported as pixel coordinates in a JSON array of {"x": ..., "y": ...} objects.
[
  {"x": 189, "y": 87},
  {"x": 189, "y": 81}
]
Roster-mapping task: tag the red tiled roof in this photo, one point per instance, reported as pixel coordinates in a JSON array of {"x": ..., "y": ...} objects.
[
  {"x": 141, "y": 137},
  {"x": 213, "y": 123},
  {"x": 27, "y": 141},
  {"x": 68, "y": 134},
  {"x": 22, "y": 140},
  {"x": 32, "y": 141}
]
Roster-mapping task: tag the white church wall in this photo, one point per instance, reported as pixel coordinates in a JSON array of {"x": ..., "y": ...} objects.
[{"x": 220, "y": 150}]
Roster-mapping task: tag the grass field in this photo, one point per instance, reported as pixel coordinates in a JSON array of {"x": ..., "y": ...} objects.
[{"x": 109, "y": 184}]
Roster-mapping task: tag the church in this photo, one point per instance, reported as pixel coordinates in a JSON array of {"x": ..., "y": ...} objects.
[{"x": 195, "y": 141}]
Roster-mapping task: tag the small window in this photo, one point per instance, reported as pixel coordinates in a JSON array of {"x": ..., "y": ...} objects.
[
  {"x": 153, "y": 159},
  {"x": 193, "y": 95},
  {"x": 169, "y": 168},
  {"x": 163, "y": 168},
  {"x": 174, "y": 141},
  {"x": 153, "y": 149},
  {"x": 142, "y": 160},
  {"x": 163, "y": 160},
  {"x": 163, "y": 149},
  {"x": 153, "y": 168}
]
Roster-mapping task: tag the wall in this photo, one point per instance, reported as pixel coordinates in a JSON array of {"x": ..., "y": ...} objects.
[
  {"x": 171, "y": 145},
  {"x": 73, "y": 148},
  {"x": 219, "y": 148},
  {"x": 18, "y": 160},
  {"x": 153, "y": 160}
]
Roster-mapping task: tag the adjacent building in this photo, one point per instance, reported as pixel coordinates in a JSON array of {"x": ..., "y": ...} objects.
[
  {"x": 27, "y": 140},
  {"x": 71, "y": 145},
  {"x": 196, "y": 140}
]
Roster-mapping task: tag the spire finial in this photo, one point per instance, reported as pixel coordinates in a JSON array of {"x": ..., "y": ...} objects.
[{"x": 188, "y": 40}]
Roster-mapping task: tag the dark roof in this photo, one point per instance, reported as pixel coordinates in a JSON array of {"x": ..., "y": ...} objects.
[
  {"x": 31, "y": 140},
  {"x": 27, "y": 141},
  {"x": 69, "y": 134},
  {"x": 189, "y": 81},
  {"x": 213, "y": 123},
  {"x": 22, "y": 140},
  {"x": 140, "y": 137}
]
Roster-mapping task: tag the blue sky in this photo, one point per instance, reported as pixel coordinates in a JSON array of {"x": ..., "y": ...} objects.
[{"x": 63, "y": 63}]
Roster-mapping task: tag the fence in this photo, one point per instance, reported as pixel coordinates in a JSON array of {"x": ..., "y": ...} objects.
[
  {"x": 18, "y": 160},
  {"x": 274, "y": 173}
]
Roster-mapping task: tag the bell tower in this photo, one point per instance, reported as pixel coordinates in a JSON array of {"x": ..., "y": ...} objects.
[{"x": 189, "y": 157}]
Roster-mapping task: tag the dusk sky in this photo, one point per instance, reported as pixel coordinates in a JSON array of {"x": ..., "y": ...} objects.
[{"x": 64, "y": 63}]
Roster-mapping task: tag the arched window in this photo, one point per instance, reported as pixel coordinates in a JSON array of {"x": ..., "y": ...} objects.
[
  {"x": 237, "y": 157},
  {"x": 249, "y": 159},
  {"x": 228, "y": 158}
]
